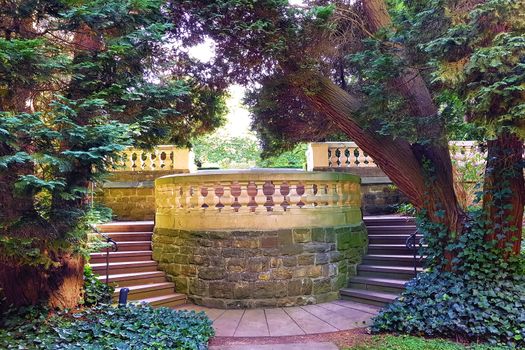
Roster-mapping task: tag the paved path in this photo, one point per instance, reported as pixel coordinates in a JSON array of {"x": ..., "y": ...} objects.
[
  {"x": 294, "y": 346},
  {"x": 335, "y": 316}
]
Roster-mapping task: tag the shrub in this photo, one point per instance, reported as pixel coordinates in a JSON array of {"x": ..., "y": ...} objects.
[
  {"x": 95, "y": 291},
  {"x": 105, "y": 327},
  {"x": 481, "y": 299}
]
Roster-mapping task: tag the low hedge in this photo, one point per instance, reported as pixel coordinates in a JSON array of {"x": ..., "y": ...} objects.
[{"x": 106, "y": 327}]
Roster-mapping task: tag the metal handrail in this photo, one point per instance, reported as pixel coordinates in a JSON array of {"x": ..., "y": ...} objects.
[
  {"x": 411, "y": 244},
  {"x": 114, "y": 248}
]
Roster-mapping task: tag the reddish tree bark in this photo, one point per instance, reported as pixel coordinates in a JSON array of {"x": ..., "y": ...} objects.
[{"x": 504, "y": 210}]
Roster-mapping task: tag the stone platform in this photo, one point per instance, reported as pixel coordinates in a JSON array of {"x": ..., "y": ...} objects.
[{"x": 339, "y": 315}]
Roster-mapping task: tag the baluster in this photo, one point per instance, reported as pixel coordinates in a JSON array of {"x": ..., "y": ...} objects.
[
  {"x": 313, "y": 192},
  {"x": 352, "y": 159},
  {"x": 204, "y": 198},
  {"x": 330, "y": 194},
  {"x": 260, "y": 198},
  {"x": 194, "y": 196},
  {"x": 361, "y": 158},
  {"x": 177, "y": 197},
  {"x": 346, "y": 157},
  {"x": 147, "y": 161},
  {"x": 308, "y": 195},
  {"x": 186, "y": 197},
  {"x": 277, "y": 197},
  {"x": 344, "y": 193},
  {"x": 294, "y": 197},
  {"x": 227, "y": 198},
  {"x": 244, "y": 199},
  {"x": 334, "y": 159}
]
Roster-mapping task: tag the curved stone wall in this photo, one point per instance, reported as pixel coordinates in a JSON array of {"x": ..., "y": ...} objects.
[{"x": 259, "y": 238}]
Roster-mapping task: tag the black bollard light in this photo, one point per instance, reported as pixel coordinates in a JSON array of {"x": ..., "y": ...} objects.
[{"x": 123, "y": 297}]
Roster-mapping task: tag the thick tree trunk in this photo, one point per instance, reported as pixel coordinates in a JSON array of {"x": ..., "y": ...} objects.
[
  {"x": 57, "y": 287},
  {"x": 504, "y": 191},
  {"x": 402, "y": 162}
]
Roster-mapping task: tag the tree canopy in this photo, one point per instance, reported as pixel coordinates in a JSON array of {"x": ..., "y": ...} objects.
[{"x": 79, "y": 82}]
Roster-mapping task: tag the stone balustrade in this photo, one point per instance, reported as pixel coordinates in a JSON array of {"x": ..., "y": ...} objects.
[
  {"x": 161, "y": 158},
  {"x": 349, "y": 155},
  {"x": 237, "y": 199},
  {"x": 259, "y": 238},
  {"x": 129, "y": 188}
]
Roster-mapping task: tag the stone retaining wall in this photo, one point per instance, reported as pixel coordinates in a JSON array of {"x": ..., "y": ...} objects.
[
  {"x": 248, "y": 269},
  {"x": 131, "y": 194}
]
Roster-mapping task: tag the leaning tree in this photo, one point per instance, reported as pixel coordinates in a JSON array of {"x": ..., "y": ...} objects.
[
  {"x": 397, "y": 77},
  {"x": 382, "y": 80},
  {"x": 79, "y": 81}
]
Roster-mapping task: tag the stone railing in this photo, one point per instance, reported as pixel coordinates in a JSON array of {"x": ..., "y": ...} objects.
[
  {"x": 349, "y": 155},
  {"x": 259, "y": 238},
  {"x": 161, "y": 158},
  {"x": 256, "y": 199}
]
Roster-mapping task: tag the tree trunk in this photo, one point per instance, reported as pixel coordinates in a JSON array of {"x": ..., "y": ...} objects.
[
  {"x": 57, "y": 287},
  {"x": 401, "y": 162},
  {"x": 504, "y": 192}
]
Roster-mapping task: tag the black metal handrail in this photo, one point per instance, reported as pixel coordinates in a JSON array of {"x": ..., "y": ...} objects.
[
  {"x": 114, "y": 248},
  {"x": 412, "y": 244}
]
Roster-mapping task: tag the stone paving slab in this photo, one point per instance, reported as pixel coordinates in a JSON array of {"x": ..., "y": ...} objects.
[
  {"x": 294, "y": 346},
  {"x": 335, "y": 316},
  {"x": 253, "y": 324},
  {"x": 280, "y": 324}
]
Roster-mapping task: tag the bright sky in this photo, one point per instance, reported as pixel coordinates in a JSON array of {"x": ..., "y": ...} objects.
[{"x": 238, "y": 116}]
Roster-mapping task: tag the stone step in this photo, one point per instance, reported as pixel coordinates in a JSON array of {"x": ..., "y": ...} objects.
[
  {"x": 100, "y": 257},
  {"x": 127, "y": 226},
  {"x": 387, "y": 285},
  {"x": 392, "y": 260},
  {"x": 390, "y": 220},
  {"x": 405, "y": 230},
  {"x": 379, "y": 271},
  {"x": 170, "y": 300},
  {"x": 130, "y": 236},
  {"x": 130, "y": 246},
  {"x": 385, "y": 249},
  {"x": 144, "y": 291},
  {"x": 367, "y": 296},
  {"x": 116, "y": 268},
  {"x": 390, "y": 239},
  {"x": 133, "y": 279}
]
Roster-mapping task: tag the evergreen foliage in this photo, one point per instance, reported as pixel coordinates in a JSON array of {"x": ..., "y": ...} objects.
[{"x": 79, "y": 82}]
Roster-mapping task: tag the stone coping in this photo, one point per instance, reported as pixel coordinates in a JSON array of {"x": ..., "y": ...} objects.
[
  {"x": 128, "y": 184},
  {"x": 257, "y": 175}
]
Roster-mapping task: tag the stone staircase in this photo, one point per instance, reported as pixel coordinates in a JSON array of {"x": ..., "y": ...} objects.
[
  {"x": 388, "y": 264},
  {"x": 132, "y": 265}
]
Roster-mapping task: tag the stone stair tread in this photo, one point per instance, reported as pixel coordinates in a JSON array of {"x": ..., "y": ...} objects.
[
  {"x": 126, "y": 226},
  {"x": 388, "y": 245},
  {"x": 388, "y": 268},
  {"x": 392, "y": 256},
  {"x": 128, "y": 233},
  {"x": 391, "y": 282},
  {"x": 382, "y": 235},
  {"x": 163, "y": 299},
  {"x": 126, "y": 264},
  {"x": 369, "y": 294},
  {"x": 124, "y": 253},
  {"x": 132, "y": 275},
  {"x": 144, "y": 287}
]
